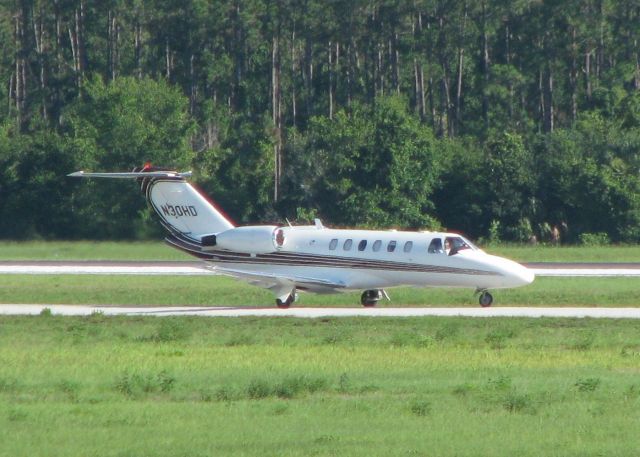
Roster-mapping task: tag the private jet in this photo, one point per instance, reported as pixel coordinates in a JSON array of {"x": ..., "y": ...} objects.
[{"x": 315, "y": 258}]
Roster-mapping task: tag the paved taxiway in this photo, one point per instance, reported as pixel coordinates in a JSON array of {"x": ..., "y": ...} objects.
[
  {"x": 189, "y": 268},
  {"x": 77, "y": 310},
  {"x": 196, "y": 268}
]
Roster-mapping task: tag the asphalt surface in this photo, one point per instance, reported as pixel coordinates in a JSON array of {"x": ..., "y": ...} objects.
[{"x": 76, "y": 310}]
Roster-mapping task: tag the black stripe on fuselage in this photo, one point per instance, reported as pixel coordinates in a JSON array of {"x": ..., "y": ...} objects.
[{"x": 311, "y": 260}]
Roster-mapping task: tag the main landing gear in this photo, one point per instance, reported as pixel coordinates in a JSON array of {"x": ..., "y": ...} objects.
[
  {"x": 485, "y": 299},
  {"x": 370, "y": 298},
  {"x": 287, "y": 300}
]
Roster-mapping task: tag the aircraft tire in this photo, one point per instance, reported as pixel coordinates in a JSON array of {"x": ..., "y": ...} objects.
[
  {"x": 485, "y": 299},
  {"x": 284, "y": 304},
  {"x": 368, "y": 299}
]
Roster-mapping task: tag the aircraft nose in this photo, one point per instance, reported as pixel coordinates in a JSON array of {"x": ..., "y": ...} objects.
[
  {"x": 511, "y": 274},
  {"x": 519, "y": 275}
]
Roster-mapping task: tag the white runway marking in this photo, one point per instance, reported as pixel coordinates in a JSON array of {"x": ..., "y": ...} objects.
[
  {"x": 84, "y": 310},
  {"x": 191, "y": 270}
]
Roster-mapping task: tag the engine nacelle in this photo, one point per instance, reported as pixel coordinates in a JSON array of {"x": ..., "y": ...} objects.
[{"x": 259, "y": 239}]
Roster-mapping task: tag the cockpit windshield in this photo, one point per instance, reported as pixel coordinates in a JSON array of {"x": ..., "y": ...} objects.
[
  {"x": 455, "y": 244},
  {"x": 452, "y": 245}
]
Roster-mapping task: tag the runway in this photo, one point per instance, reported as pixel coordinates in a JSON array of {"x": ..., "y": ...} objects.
[
  {"x": 190, "y": 268},
  {"x": 77, "y": 310}
]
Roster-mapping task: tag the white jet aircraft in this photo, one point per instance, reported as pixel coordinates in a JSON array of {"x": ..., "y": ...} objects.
[{"x": 315, "y": 258}]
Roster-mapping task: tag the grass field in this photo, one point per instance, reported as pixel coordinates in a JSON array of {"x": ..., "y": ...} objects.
[
  {"x": 523, "y": 253},
  {"x": 89, "y": 250},
  {"x": 157, "y": 250},
  {"x": 220, "y": 290},
  {"x": 293, "y": 387},
  {"x": 143, "y": 386}
]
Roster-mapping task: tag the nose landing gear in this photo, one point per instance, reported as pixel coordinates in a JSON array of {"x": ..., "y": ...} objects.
[{"x": 485, "y": 299}]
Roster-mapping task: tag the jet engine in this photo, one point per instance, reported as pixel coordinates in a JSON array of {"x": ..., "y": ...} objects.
[{"x": 260, "y": 239}]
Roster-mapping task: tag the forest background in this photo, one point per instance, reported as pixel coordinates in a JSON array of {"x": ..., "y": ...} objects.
[{"x": 499, "y": 119}]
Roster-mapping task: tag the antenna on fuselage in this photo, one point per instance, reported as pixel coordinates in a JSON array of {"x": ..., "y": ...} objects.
[{"x": 286, "y": 219}]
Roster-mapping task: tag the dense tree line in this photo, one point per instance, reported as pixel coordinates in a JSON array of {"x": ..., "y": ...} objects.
[{"x": 498, "y": 119}]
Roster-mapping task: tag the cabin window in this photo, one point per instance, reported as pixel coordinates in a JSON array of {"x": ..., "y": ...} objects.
[
  {"x": 376, "y": 245},
  {"x": 333, "y": 244},
  {"x": 391, "y": 246},
  {"x": 435, "y": 247},
  {"x": 362, "y": 245},
  {"x": 347, "y": 245},
  {"x": 408, "y": 246}
]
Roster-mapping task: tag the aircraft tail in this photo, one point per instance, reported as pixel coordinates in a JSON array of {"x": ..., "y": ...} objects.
[{"x": 183, "y": 210}]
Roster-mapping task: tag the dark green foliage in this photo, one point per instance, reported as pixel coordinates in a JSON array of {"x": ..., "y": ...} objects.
[
  {"x": 509, "y": 185},
  {"x": 500, "y": 120},
  {"x": 374, "y": 166},
  {"x": 595, "y": 157},
  {"x": 116, "y": 127}
]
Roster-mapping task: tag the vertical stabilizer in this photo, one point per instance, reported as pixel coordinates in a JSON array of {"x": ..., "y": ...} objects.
[{"x": 184, "y": 210}]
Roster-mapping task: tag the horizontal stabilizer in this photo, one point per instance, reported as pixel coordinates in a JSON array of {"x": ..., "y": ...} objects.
[
  {"x": 181, "y": 208},
  {"x": 132, "y": 175}
]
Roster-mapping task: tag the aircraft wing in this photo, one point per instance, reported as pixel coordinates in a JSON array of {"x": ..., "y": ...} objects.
[{"x": 273, "y": 281}]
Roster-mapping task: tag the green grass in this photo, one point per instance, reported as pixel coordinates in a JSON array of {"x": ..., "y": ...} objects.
[
  {"x": 157, "y": 250},
  {"x": 293, "y": 387},
  {"x": 526, "y": 253},
  {"x": 220, "y": 290},
  {"x": 89, "y": 250},
  {"x": 131, "y": 386}
]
